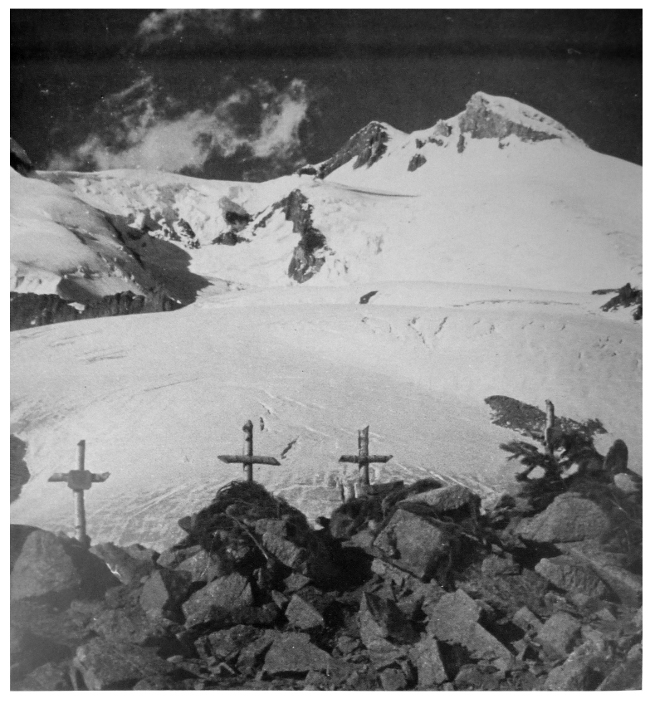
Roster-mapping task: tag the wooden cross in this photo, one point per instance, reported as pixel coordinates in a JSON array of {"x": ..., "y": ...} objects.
[
  {"x": 364, "y": 459},
  {"x": 248, "y": 459},
  {"x": 79, "y": 480}
]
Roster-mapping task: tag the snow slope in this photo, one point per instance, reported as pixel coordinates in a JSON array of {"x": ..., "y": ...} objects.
[
  {"x": 61, "y": 245},
  {"x": 481, "y": 259},
  {"x": 158, "y": 397}
]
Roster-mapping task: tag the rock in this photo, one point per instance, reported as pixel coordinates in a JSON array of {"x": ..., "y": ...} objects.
[
  {"x": 218, "y": 600},
  {"x": 47, "y": 677},
  {"x": 299, "y": 548},
  {"x": 454, "y": 619},
  {"x": 567, "y": 574},
  {"x": 139, "y": 552},
  {"x": 414, "y": 543},
  {"x": 527, "y": 620},
  {"x": 122, "y": 564},
  {"x": 226, "y": 644},
  {"x": 332, "y": 678},
  {"x": 43, "y": 567},
  {"x": 381, "y": 619},
  {"x": 279, "y": 599},
  {"x": 393, "y": 679},
  {"x": 172, "y": 557},
  {"x": 204, "y": 567},
  {"x": 105, "y": 664},
  {"x": 295, "y": 653},
  {"x": 127, "y": 625},
  {"x": 346, "y": 644},
  {"x": 448, "y": 499},
  {"x": 164, "y": 592},
  {"x": 568, "y": 518},
  {"x": 295, "y": 582},
  {"x": 580, "y": 671},
  {"x": 559, "y": 633},
  {"x": 428, "y": 661},
  {"x": 302, "y": 615},
  {"x": 626, "y": 585},
  {"x": 627, "y": 675},
  {"x": 48, "y": 565},
  {"x": 19, "y": 159},
  {"x": 252, "y": 655},
  {"x": 495, "y": 565}
]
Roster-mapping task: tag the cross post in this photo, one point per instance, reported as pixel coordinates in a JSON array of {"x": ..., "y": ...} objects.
[
  {"x": 79, "y": 480},
  {"x": 248, "y": 459},
  {"x": 364, "y": 458}
]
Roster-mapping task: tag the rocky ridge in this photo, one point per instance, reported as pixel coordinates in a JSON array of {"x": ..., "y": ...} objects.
[{"x": 416, "y": 586}]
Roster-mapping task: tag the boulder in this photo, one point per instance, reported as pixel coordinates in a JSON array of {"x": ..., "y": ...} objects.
[
  {"x": 381, "y": 620},
  {"x": 393, "y": 679},
  {"x": 43, "y": 567},
  {"x": 294, "y": 653},
  {"x": 627, "y": 585},
  {"x": 252, "y": 655},
  {"x": 298, "y": 547},
  {"x": 47, "y": 677},
  {"x": 526, "y": 620},
  {"x": 570, "y": 517},
  {"x": 204, "y": 567},
  {"x": 429, "y": 663},
  {"x": 173, "y": 557},
  {"x": 164, "y": 592},
  {"x": 581, "y": 671},
  {"x": 105, "y": 664},
  {"x": 567, "y": 574},
  {"x": 455, "y": 498},
  {"x": 559, "y": 634},
  {"x": 413, "y": 542},
  {"x": 627, "y": 674},
  {"x": 218, "y": 600},
  {"x": 454, "y": 619},
  {"x": 225, "y": 645},
  {"x": 122, "y": 563},
  {"x": 302, "y": 615}
]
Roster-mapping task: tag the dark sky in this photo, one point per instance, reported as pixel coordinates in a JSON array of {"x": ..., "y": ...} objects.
[{"x": 241, "y": 94}]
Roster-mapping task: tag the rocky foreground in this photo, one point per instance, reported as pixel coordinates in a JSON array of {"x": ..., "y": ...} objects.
[{"x": 407, "y": 587}]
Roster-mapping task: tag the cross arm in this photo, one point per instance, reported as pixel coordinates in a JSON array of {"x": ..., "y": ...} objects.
[
  {"x": 59, "y": 477},
  {"x": 248, "y": 459},
  {"x": 366, "y": 458}
]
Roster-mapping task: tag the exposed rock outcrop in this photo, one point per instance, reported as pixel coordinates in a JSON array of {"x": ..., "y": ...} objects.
[{"x": 29, "y": 309}]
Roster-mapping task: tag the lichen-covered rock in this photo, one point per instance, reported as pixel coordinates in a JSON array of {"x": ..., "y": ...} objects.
[
  {"x": 414, "y": 543},
  {"x": 455, "y": 619},
  {"x": 559, "y": 634},
  {"x": 217, "y": 601},
  {"x": 570, "y": 517},
  {"x": 567, "y": 574}
]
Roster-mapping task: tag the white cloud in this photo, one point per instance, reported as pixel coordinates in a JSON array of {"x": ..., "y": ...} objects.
[
  {"x": 169, "y": 24},
  {"x": 142, "y": 136}
]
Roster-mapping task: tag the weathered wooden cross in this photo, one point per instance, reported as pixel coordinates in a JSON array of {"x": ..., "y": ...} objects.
[
  {"x": 364, "y": 459},
  {"x": 248, "y": 459},
  {"x": 79, "y": 480}
]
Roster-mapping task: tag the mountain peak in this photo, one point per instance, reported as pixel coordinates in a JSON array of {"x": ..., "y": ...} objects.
[
  {"x": 367, "y": 146},
  {"x": 487, "y": 116}
]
